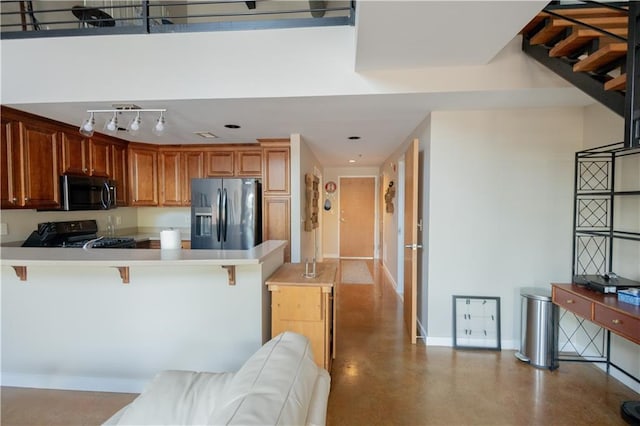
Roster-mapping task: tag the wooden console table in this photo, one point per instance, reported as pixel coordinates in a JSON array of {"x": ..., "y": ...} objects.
[
  {"x": 604, "y": 310},
  {"x": 306, "y": 306}
]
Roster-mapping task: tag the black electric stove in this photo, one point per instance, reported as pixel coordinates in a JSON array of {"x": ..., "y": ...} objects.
[{"x": 75, "y": 233}]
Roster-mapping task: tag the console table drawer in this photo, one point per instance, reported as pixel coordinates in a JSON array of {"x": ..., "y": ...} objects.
[
  {"x": 617, "y": 322},
  {"x": 573, "y": 303}
]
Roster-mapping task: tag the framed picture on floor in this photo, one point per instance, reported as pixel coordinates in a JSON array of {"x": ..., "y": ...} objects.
[{"x": 476, "y": 322}]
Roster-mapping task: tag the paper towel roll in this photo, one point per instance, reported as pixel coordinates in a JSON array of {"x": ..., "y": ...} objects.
[{"x": 170, "y": 239}]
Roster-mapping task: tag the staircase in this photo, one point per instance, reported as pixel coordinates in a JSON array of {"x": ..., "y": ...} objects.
[{"x": 587, "y": 45}]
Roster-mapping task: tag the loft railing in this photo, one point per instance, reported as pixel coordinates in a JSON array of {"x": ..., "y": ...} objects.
[{"x": 28, "y": 19}]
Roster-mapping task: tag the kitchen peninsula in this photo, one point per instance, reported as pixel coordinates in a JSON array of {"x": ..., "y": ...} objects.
[{"x": 69, "y": 322}]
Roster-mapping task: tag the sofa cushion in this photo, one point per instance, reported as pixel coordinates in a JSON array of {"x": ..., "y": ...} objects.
[
  {"x": 175, "y": 398},
  {"x": 274, "y": 387}
]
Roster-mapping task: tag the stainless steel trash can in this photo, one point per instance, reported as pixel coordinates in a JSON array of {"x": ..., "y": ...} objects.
[{"x": 539, "y": 328}]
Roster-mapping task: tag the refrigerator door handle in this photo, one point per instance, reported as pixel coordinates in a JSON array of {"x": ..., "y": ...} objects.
[
  {"x": 219, "y": 219},
  {"x": 224, "y": 210}
]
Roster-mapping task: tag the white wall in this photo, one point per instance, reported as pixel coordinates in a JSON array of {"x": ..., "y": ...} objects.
[
  {"x": 500, "y": 208},
  {"x": 331, "y": 219},
  {"x": 309, "y": 244}
]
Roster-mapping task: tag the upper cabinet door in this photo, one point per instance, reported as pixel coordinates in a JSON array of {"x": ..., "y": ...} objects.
[
  {"x": 193, "y": 169},
  {"x": 74, "y": 154},
  {"x": 99, "y": 157},
  {"x": 170, "y": 182},
  {"x": 39, "y": 146},
  {"x": 219, "y": 163},
  {"x": 249, "y": 163},
  {"x": 119, "y": 172},
  {"x": 9, "y": 167},
  {"x": 143, "y": 173},
  {"x": 276, "y": 171}
]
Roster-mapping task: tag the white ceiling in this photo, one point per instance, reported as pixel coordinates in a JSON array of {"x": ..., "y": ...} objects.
[{"x": 391, "y": 36}]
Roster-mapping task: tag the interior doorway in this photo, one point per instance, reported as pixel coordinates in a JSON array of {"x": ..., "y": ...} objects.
[{"x": 357, "y": 217}]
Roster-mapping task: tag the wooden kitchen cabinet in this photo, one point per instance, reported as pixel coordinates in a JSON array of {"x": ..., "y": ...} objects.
[
  {"x": 74, "y": 154},
  {"x": 9, "y": 167},
  {"x": 276, "y": 171},
  {"x": 99, "y": 156},
  {"x": 38, "y": 146},
  {"x": 276, "y": 221},
  {"x": 143, "y": 175},
  {"x": 176, "y": 169},
  {"x": 219, "y": 163},
  {"x": 249, "y": 163},
  {"x": 306, "y": 306},
  {"x": 118, "y": 172}
]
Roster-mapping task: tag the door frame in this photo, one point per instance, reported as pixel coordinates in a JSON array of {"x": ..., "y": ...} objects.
[{"x": 376, "y": 212}]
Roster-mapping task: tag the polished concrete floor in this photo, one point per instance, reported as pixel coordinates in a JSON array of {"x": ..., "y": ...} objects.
[{"x": 378, "y": 378}]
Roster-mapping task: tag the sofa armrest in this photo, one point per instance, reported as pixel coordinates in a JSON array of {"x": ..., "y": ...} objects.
[{"x": 317, "y": 413}]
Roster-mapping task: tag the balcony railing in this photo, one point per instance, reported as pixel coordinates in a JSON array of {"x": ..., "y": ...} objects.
[{"x": 26, "y": 19}]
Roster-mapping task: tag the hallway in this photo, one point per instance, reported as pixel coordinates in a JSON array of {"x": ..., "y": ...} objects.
[{"x": 378, "y": 378}]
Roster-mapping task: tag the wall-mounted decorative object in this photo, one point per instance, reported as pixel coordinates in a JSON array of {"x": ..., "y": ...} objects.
[
  {"x": 389, "y": 196},
  {"x": 312, "y": 202},
  {"x": 330, "y": 189},
  {"x": 476, "y": 322}
]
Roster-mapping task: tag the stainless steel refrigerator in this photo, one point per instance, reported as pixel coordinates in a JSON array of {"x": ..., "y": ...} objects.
[{"x": 226, "y": 213}]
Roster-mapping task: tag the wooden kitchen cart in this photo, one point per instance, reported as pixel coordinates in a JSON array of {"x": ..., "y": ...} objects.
[{"x": 306, "y": 306}]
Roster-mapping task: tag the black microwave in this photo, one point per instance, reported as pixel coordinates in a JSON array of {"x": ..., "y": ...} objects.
[{"x": 87, "y": 193}]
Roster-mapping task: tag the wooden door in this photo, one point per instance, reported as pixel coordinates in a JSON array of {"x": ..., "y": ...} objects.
[
  {"x": 193, "y": 169},
  {"x": 9, "y": 167},
  {"x": 357, "y": 215},
  {"x": 119, "y": 172},
  {"x": 411, "y": 245},
  {"x": 170, "y": 181},
  {"x": 39, "y": 147},
  {"x": 220, "y": 163},
  {"x": 99, "y": 157},
  {"x": 74, "y": 154},
  {"x": 143, "y": 174}
]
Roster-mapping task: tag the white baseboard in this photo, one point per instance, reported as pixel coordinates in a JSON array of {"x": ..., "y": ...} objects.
[
  {"x": 81, "y": 383},
  {"x": 331, "y": 255},
  {"x": 621, "y": 377},
  {"x": 448, "y": 342},
  {"x": 391, "y": 280}
]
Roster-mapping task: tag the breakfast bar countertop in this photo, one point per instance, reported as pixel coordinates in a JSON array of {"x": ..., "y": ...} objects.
[{"x": 47, "y": 256}]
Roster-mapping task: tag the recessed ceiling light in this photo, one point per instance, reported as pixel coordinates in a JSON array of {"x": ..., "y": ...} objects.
[
  {"x": 354, "y": 138},
  {"x": 206, "y": 135},
  {"x": 231, "y": 126},
  {"x": 352, "y": 161}
]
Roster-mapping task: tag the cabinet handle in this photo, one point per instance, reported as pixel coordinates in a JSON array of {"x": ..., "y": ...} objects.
[
  {"x": 26, "y": 198},
  {"x": 14, "y": 200},
  {"x": 85, "y": 169},
  {"x": 570, "y": 301},
  {"x": 616, "y": 321}
]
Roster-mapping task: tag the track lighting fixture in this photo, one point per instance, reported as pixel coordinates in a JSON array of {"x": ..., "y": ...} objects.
[
  {"x": 87, "y": 126},
  {"x": 111, "y": 125}
]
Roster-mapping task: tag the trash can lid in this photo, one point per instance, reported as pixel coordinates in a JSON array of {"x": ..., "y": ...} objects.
[{"x": 539, "y": 293}]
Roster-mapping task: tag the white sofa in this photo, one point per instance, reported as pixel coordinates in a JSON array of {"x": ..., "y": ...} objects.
[{"x": 278, "y": 385}]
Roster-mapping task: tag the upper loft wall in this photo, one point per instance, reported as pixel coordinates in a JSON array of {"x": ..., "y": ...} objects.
[{"x": 250, "y": 64}]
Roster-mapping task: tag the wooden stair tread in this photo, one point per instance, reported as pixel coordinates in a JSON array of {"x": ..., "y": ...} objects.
[
  {"x": 601, "y": 57},
  {"x": 556, "y": 25},
  {"x": 617, "y": 83},
  {"x": 578, "y": 38},
  {"x": 582, "y": 12}
]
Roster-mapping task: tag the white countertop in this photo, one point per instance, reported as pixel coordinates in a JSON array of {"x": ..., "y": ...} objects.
[{"x": 49, "y": 256}]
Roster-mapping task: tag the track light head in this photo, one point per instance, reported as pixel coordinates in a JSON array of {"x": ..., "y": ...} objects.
[
  {"x": 159, "y": 128},
  {"x": 134, "y": 126},
  {"x": 87, "y": 126},
  {"x": 111, "y": 126}
]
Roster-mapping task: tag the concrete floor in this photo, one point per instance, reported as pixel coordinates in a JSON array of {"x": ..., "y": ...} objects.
[{"x": 378, "y": 378}]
